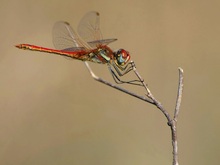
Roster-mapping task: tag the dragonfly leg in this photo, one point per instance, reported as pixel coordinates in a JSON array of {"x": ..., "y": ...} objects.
[
  {"x": 118, "y": 80},
  {"x": 123, "y": 70}
]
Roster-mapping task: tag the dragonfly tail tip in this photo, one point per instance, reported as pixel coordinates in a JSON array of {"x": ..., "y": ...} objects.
[{"x": 18, "y": 46}]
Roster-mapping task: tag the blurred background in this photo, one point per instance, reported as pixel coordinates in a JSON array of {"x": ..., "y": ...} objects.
[{"x": 53, "y": 112}]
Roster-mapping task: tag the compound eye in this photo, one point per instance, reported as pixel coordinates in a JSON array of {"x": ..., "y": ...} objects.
[{"x": 122, "y": 57}]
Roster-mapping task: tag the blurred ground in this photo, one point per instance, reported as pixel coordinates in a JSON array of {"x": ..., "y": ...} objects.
[{"x": 53, "y": 112}]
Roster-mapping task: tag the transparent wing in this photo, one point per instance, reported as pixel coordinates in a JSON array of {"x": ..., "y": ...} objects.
[
  {"x": 89, "y": 29},
  {"x": 104, "y": 41},
  {"x": 65, "y": 38}
]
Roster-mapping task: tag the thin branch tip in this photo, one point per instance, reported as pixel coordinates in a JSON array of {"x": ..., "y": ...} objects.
[
  {"x": 91, "y": 72},
  {"x": 180, "y": 69},
  {"x": 179, "y": 94}
]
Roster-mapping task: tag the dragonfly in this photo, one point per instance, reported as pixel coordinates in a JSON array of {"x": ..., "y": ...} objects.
[{"x": 88, "y": 45}]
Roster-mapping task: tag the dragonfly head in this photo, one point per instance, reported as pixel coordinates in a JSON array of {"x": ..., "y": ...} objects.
[{"x": 121, "y": 57}]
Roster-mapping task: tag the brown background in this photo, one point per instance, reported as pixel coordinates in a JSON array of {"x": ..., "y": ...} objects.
[{"x": 53, "y": 112}]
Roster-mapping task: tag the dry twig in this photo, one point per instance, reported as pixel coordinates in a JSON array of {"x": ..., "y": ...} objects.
[{"x": 152, "y": 100}]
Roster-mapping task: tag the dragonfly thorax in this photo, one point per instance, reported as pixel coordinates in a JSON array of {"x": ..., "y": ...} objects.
[
  {"x": 104, "y": 53},
  {"x": 121, "y": 57}
]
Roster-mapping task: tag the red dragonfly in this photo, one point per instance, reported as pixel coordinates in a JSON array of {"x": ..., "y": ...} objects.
[{"x": 87, "y": 45}]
